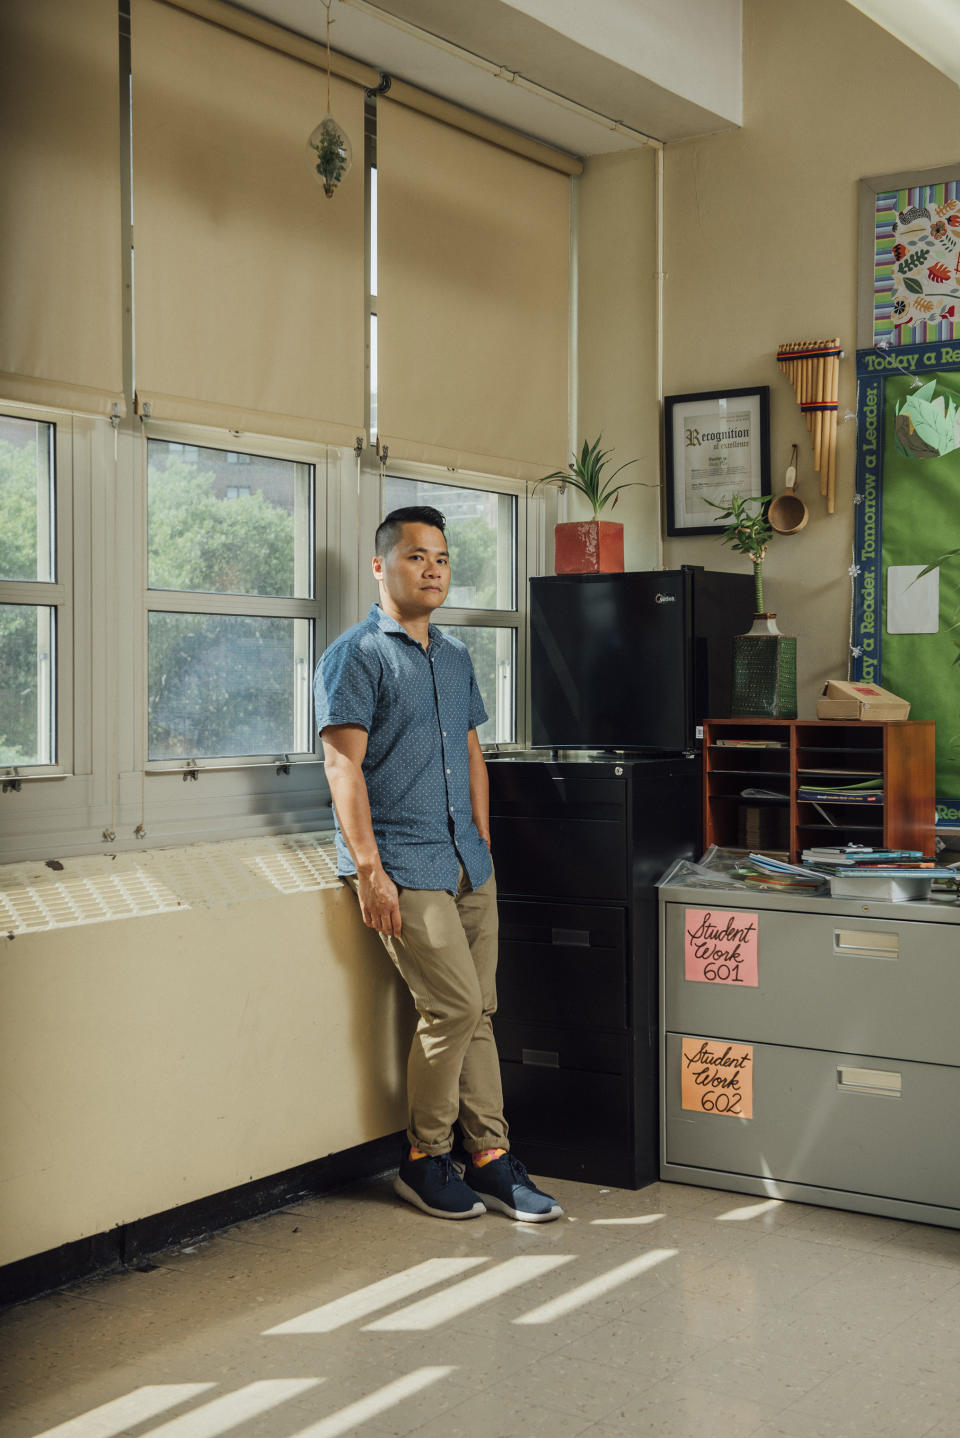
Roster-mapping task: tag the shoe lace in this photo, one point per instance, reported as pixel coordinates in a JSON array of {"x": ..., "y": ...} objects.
[
  {"x": 446, "y": 1170},
  {"x": 517, "y": 1169}
]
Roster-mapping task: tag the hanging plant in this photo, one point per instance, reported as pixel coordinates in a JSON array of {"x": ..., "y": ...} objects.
[{"x": 331, "y": 153}]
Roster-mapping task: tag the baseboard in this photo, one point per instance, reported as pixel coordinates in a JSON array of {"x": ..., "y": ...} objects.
[{"x": 130, "y": 1244}]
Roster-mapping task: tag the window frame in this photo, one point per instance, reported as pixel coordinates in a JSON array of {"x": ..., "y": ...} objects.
[
  {"x": 66, "y": 593},
  {"x": 157, "y": 601}
]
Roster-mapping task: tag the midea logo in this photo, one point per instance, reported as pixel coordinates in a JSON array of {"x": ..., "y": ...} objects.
[{"x": 664, "y": 599}]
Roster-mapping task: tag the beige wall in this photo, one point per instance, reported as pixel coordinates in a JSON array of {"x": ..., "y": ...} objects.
[
  {"x": 148, "y": 1062},
  {"x": 617, "y": 329},
  {"x": 761, "y": 247}
]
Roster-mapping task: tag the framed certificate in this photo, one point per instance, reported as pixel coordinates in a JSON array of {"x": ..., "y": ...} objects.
[{"x": 717, "y": 444}]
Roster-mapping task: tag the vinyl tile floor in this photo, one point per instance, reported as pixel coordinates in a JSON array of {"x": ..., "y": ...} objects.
[{"x": 674, "y": 1311}]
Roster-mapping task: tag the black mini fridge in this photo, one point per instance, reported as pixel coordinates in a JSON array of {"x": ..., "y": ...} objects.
[
  {"x": 633, "y": 661},
  {"x": 623, "y": 669}
]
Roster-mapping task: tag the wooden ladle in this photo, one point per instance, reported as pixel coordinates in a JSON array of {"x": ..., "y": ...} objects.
[{"x": 787, "y": 513}]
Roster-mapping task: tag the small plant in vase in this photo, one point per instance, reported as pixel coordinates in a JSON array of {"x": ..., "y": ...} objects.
[
  {"x": 750, "y": 534},
  {"x": 592, "y": 546},
  {"x": 764, "y": 660}
]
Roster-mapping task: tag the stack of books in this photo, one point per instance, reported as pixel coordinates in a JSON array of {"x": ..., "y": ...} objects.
[
  {"x": 855, "y": 871},
  {"x": 861, "y": 856}
]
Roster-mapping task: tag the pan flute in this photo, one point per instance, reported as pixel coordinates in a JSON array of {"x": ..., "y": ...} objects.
[{"x": 813, "y": 368}]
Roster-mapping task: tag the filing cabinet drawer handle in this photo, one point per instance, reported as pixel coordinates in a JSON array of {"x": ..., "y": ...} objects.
[
  {"x": 866, "y": 944},
  {"x": 881, "y": 1082},
  {"x": 540, "y": 1058},
  {"x": 571, "y": 938}
]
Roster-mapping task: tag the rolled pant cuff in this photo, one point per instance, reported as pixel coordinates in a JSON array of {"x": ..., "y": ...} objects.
[{"x": 435, "y": 1150}]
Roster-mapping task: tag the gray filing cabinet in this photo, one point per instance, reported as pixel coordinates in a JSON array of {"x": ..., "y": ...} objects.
[{"x": 843, "y": 1047}]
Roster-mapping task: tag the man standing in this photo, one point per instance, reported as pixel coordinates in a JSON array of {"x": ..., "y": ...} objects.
[{"x": 398, "y": 709}]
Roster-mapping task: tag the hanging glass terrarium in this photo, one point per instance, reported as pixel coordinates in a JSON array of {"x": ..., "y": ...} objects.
[{"x": 331, "y": 153}]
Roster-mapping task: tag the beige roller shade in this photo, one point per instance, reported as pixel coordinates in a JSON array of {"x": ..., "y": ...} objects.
[
  {"x": 473, "y": 300},
  {"x": 249, "y": 298},
  {"x": 60, "y": 317}
]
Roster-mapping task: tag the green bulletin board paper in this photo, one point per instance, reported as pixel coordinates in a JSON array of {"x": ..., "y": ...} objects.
[{"x": 908, "y": 513}]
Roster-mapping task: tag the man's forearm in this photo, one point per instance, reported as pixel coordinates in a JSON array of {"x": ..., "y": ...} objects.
[
  {"x": 348, "y": 790},
  {"x": 480, "y": 794}
]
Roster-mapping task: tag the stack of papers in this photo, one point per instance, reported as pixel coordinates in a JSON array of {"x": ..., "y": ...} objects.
[
  {"x": 781, "y": 875},
  {"x": 869, "y": 791}
]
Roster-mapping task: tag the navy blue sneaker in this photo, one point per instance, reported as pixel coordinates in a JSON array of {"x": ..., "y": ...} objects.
[
  {"x": 504, "y": 1183},
  {"x": 434, "y": 1185}
]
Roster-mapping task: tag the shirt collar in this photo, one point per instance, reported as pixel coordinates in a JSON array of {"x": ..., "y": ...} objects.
[{"x": 389, "y": 625}]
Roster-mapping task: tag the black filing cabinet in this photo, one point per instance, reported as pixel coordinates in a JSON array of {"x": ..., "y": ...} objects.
[{"x": 578, "y": 846}]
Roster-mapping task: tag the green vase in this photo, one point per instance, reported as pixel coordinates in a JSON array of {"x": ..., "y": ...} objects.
[{"x": 764, "y": 672}]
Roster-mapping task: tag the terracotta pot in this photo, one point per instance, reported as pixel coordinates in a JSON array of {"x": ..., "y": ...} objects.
[{"x": 589, "y": 546}]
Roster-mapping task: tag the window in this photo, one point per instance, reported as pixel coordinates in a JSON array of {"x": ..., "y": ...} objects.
[
  {"x": 231, "y": 604},
  {"x": 31, "y": 598},
  {"x": 481, "y": 609}
]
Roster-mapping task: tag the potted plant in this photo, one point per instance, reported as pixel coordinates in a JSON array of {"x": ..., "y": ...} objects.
[
  {"x": 748, "y": 533},
  {"x": 764, "y": 660},
  {"x": 591, "y": 546}
]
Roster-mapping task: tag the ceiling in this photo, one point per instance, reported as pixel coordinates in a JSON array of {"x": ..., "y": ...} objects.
[
  {"x": 579, "y": 82},
  {"x": 930, "y": 27},
  {"x": 589, "y": 78}
]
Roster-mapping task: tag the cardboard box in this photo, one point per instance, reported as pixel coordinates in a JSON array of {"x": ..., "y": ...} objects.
[{"x": 842, "y": 700}]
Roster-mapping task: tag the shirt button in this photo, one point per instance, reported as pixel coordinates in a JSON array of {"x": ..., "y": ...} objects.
[
  {"x": 448, "y": 771},
  {"x": 451, "y": 808}
]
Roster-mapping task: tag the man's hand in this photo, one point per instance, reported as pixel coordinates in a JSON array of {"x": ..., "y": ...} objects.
[{"x": 379, "y": 902}]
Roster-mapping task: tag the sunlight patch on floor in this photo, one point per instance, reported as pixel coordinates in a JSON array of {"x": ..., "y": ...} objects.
[
  {"x": 597, "y": 1287},
  {"x": 626, "y": 1222},
  {"x": 365, "y": 1301},
  {"x": 481, "y": 1288},
  {"x": 382, "y": 1401},
  {"x": 750, "y": 1210},
  {"x": 123, "y": 1413}
]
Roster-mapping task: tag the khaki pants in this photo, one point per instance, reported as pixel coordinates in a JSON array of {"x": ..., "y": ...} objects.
[{"x": 447, "y": 956}]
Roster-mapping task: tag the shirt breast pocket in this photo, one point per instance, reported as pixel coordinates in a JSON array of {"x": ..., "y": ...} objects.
[{"x": 410, "y": 702}]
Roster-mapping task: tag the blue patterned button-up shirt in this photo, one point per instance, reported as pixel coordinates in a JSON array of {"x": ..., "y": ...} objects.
[{"x": 418, "y": 707}]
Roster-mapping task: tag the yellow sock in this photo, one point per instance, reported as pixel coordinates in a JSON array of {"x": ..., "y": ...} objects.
[{"x": 487, "y": 1155}]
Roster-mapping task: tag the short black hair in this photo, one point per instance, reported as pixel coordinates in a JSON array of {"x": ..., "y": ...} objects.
[{"x": 390, "y": 528}]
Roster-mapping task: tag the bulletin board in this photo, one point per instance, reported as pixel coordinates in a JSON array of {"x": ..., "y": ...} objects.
[
  {"x": 909, "y": 258},
  {"x": 906, "y": 628}
]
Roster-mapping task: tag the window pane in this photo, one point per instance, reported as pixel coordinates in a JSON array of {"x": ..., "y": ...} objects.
[
  {"x": 222, "y": 685},
  {"x": 481, "y": 534},
  {"x": 27, "y": 636},
  {"x": 228, "y": 523},
  {"x": 493, "y": 652},
  {"x": 26, "y": 499}
]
